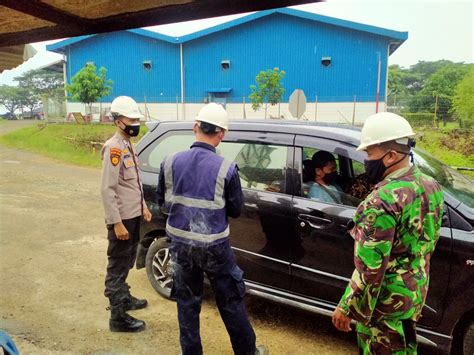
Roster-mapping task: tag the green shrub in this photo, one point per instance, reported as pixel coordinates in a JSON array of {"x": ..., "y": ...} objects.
[{"x": 419, "y": 118}]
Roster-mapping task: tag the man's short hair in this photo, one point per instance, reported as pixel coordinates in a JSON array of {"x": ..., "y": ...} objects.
[
  {"x": 209, "y": 128},
  {"x": 115, "y": 115},
  {"x": 393, "y": 145},
  {"x": 322, "y": 158}
]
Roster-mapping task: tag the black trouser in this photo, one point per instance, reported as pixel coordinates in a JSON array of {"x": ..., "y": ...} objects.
[
  {"x": 218, "y": 263},
  {"x": 122, "y": 255}
]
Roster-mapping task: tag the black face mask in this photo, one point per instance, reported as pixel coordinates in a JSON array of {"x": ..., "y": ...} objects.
[
  {"x": 132, "y": 130},
  {"x": 376, "y": 168},
  {"x": 330, "y": 178}
]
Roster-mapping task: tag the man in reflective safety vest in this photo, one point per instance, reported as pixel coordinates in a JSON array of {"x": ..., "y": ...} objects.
[{"x": 199, "y": 189}]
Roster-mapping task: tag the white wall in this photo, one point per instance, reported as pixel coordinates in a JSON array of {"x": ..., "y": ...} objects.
[{"x": 340, "y": 112}]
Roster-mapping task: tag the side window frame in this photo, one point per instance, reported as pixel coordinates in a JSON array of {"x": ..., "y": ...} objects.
[
  {"x": 338, "y": 148},
  {"x": 269, "y": 138},
  {"x": 145, "y": 154}
]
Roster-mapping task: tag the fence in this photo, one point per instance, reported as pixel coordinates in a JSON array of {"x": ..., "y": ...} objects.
[{"x": 345, "y": 110}]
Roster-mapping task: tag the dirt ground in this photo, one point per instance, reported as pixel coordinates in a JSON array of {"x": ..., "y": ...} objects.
[{"x": 52, "y": 268}]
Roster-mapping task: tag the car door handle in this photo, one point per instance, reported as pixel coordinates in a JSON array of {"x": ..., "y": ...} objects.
[{"x": 315, "y": 222}]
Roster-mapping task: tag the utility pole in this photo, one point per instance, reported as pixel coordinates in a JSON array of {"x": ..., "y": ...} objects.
[
  {"x": 435, "y": 118},
  {"x": 354, "y": 111},
  {"x": 177, "y": 108},
  {"x": 316, "y": 108},
  {"x": 377, "y": 95}
]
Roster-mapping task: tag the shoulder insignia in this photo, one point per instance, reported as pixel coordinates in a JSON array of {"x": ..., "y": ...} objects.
[
  {"x": 115, "y": 154},
  {"x": 371, "y": 218}
]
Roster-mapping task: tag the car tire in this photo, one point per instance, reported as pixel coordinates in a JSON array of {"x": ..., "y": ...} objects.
[
  {"x": 468, "y": 340},
  {"x": 159, "y": 267}
]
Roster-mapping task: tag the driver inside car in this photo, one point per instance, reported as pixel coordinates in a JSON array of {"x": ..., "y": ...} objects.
[{"x": 324, "y": 187}]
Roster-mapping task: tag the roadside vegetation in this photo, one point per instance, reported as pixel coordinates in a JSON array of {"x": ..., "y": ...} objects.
[
  {"x": 69, "y": 143},
  {"x": 81, "y": 144}
]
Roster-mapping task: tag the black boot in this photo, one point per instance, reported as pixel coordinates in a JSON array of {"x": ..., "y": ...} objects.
[
  {"x": 120, "y": 321},
  {"x": 133, "y": 303}
]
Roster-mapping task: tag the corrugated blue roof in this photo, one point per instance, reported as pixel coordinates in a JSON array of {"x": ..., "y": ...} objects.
[
  {"x": 401, "y": 36},
  {"x": 57, "y": 47},
  {"x": 396, "y": 37}
]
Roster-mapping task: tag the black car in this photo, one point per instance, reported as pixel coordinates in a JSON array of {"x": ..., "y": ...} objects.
[{"x": 296, "y": 250}]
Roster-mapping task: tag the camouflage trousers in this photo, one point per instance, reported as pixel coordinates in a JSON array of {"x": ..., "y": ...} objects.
[{"x": 387, "y": 336}]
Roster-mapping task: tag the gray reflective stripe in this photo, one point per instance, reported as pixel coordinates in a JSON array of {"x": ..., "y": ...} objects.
[
  {"x": 168, "y": 166},
  {"x": 197, "y": 236},
  {"x": 216, "y": 204}
]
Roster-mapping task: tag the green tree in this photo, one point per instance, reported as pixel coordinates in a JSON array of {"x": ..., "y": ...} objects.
[
  {"x": 415, "y": 89},
  {"x": 28, "y": 99},
  {"x": 402, "y": 84},
  {"x": 10, "y": 98},
  {"x": 38, "y": 86},
  {"x": 463, "y": 101},
  {"x": 88, "y": 87},
  {"x": 268, "y": 89},
  {"x": 438, "y": 92},
  {"x": 425, "y": 69},
  {"x": 44, "y": 83}
]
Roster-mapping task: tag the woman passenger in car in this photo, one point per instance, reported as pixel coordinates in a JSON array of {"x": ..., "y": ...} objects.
[{"x": 324, "y": 187}]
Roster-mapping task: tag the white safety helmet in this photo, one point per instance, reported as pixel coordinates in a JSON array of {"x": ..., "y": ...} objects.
[
  {"x": 125, "y": 106},
  {"x": 214, "y": 114},
  {"x": 384, "y": 127}
]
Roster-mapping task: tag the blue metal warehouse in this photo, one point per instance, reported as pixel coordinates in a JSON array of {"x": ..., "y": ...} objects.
[{"x": 335, "y": 62}]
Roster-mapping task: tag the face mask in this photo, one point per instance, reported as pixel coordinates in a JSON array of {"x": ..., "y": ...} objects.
[
  {"x": 375, "y": 169},
  {"x": 330, "y": 178},
  {"x": 132, "y": 130}
]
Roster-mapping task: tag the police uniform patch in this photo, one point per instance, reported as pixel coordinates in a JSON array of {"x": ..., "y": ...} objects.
[{"x": 115, "y": 155}]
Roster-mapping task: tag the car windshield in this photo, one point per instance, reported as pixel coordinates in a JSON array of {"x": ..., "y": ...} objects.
[{"x": 456, "y": 184}]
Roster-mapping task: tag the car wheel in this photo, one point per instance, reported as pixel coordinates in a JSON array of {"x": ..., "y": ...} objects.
[
  {"x": 468, "y": 342},
  {"x": 159, "y": 267}
]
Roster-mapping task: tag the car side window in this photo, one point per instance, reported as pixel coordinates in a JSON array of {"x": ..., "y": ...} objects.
[
  {"x": 346, "y": 189},
  {"x": 261, "y": 166},
  {"x": 167, "y": 144}
]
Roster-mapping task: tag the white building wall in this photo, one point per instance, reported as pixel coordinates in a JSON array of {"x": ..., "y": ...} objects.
[{"x": 340, "y": 112}]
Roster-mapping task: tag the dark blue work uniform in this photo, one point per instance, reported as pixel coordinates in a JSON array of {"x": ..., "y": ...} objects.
[{"x": 199, "y": 190}]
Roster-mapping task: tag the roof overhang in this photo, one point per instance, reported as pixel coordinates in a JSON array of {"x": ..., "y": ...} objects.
[
  {"x": 13, "y": 56},
  {"x": 41, "y": 20},
  {"x": 219, "y": 90}
]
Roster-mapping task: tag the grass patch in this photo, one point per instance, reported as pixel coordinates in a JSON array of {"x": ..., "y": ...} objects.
[
  {"x": 449, "y": 144},
  {"x": 70, "y": 143}
]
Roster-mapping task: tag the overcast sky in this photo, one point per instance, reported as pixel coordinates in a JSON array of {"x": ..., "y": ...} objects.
[{"x": 437, "y": 29}]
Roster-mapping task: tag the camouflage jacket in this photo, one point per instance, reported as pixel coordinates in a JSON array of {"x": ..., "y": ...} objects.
[{"x": 395, "y": 233}]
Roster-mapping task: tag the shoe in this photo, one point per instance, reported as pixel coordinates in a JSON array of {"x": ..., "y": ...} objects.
[
  {"x": 120, "y": 321},
  {"x": 133, "y": 303},
  {"x": 261, "y": 350}
]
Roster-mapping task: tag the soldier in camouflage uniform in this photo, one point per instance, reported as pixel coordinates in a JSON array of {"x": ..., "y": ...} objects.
[{"x": 395, "y": 232}]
